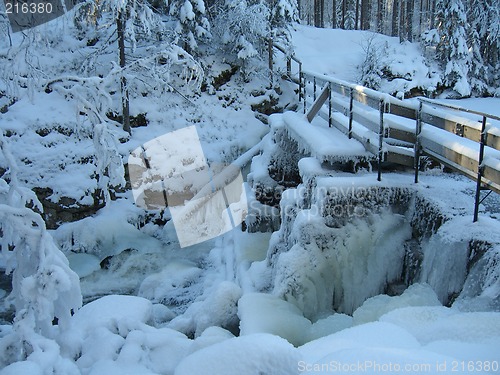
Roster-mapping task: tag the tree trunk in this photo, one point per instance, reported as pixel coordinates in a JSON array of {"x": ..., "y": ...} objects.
[
  {"x": 380, "y": 16},
  {"x": 120, "y": 26},
  {"x": 410, "y": 4},
  {"x": 322, "y": 13},
  {"x": 334, "y": 14},
  {"x": 395, "y": 18},
  {"x": 402, "y": 20},
  {"x": 365, "y": 14},
  {"x": 317, "y": 22},
  {"x": 432, "y": 10},
  {"x": 421, "y": 18},
  {"x": 344, "y": 13}
]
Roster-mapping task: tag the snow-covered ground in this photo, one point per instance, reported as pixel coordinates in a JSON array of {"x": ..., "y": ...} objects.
[{"x": 202, "y": 309}]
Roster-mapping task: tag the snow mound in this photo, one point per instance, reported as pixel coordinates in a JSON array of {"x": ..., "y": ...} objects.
[
  {"x": 210, "y": 336},
  {"x": 109, "y": 310},
  {"x": 247, "y": 355},
  {"x": 26, "y": 367},
  {"x": 429, "y": 324},
  {"x": 359, "y": 337},
  {"x": 265, "y": 313},
  {"x": 373, "y": 308},
  {"x": 329, "y": 325}
]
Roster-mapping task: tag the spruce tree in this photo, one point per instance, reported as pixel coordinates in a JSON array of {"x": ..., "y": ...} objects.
[
  {"x": 192, "y": 24},
  {"x": 282, "y": 14},
  {"x": 477, "y": 18},
  {"x": 452, "y": 48}
]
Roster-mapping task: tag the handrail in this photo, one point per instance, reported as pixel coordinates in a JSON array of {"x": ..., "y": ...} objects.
[
  {"x": 283, "y": 50},
  {"x": 458, "y": 108}
]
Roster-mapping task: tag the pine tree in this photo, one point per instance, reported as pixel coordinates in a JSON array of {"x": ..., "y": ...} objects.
[
  {"x": 282, "y": 13},
  {"x": 452, "y": 48},
  {"x": 492, "y": 41},
  {"x": 478, "y": 73},
  {"x": 192, "y": 24}
]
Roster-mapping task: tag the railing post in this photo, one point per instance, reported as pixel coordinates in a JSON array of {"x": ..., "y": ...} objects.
[
  {"x": 289, "y": 67},
  {"x": 351, "y": 111},
  {"x": 480, "y": 169},
  {"x": 300, "y": 81},
  {"x": 380, "y": 139},
  {"x": 418, "y": 129},
  {"x": 305, "y": 94},
  {"x": 314, "y": 89},
  {"x": 330, "y": 104}
]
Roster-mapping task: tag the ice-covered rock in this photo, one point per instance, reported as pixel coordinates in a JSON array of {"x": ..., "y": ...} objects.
[
  {"x": 218, "y": 308},
  {"x": 374, "y": 307}
]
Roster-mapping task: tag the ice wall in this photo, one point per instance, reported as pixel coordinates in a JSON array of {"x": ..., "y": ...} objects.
[{"x": 338, "y": 244}]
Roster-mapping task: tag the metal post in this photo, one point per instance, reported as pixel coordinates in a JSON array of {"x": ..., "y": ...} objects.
[
  {"x": 480, "y": 169},
  {"x": 418, "y": 129},
  {"x": 305, "y": 94},
  {"x": 300, "y": 81},
  {"x": 289, "y": 67},
  {"x": 351, "y": 110},
  {"x": 314, "y": 89},
  {"x": 380, "y": 139},
  {"x": 330, "y": 104}
]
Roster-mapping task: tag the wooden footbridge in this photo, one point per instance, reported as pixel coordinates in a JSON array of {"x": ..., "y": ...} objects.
[{"x": 393, "y": 130}]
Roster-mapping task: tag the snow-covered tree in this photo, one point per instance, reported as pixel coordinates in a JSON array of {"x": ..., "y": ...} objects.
[
  {"x": 492, "y": 41},
  {"x": 370, "y": 70},
  {"x": 242, "y": 27},
  {"x": 477, "y": 16},
  {"x": 192, "y": 25},
  {"x": 283, "y": 13},
  {"x": 478, "y": 73},
  {"x": 452, "y": 47},
  {"x": 43, "y": 285},
  {"x": 5, "y": 36}
]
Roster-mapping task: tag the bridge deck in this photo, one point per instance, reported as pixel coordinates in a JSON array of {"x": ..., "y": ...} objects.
[{"x": 327, "y": 144}]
